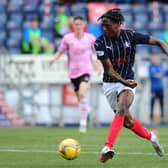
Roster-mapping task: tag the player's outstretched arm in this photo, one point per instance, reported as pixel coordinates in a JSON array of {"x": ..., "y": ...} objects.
[
  {"x": 160, "y": 43},
  {"x": 99, "y": 67},
  {"x": 56, "y": 56},
  {"x": 108, "y": 68}
]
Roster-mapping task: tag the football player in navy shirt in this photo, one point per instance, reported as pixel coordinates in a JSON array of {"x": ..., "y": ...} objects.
[{"x": 116, "y": 49}]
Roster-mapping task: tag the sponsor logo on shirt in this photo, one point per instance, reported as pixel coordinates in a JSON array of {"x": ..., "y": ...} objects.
[
  {"x": 127, "y": 44},
  {"x": 109, "y": 47},
  {"x": 119, "y": 61},
  {"x": 100, "y": 53}
]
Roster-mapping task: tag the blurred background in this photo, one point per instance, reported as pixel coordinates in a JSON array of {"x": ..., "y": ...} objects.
[{"x": 33, "y": 93}]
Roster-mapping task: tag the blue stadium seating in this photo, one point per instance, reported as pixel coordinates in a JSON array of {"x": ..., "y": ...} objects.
[
  {"x": 14, "y": 50},
  {"x": 79, "y": 9},
  {"x": 95, "y": 29},
  {"x": 12, "y": 42},
  {"x": 127, "y": 12},
  {"x": 3, "y": 37},
  {"x": 48, "y": 33},
  {"x": 3, "y": 26},
  {"x": 156, "y": 18},
  {"x": 3, "y": 18},
  {"x": 31, "y": 9},
  {"x": 12, "y": 24},
  {"x": 46, "y": 24},
  {"x": 165, "y": 12},
  {"x": 16, "y": 14},
  {"x": 3, "y": 5},
  {"x": 17, "y": 17},
  {"x": 14, "y": 8},
  {"x": 142, "y": 51},
  {"x": 16, "y": 33}
]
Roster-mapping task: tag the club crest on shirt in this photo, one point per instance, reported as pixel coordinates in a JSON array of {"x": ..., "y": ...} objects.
[
  {"x": 127, "y": 44},
  {"x": 100, "y": 53}
]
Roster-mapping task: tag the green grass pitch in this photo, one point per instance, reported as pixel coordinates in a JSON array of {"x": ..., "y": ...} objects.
[{"x": 36, "y": 147}]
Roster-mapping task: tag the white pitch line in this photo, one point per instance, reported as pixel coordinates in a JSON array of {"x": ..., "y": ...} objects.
[
  {"x": 26, "y": 151},
  {"x": 91, "y": 152}
]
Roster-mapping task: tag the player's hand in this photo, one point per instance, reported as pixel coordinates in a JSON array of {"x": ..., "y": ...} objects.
[
  {"x": 51, "y": 61},
  {"x": 131, "y": 83}
]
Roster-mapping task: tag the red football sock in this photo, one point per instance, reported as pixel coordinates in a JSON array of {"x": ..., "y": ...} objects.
[
  {"x": 115, "y": 129},
  {"x": 138, "y": 129}
]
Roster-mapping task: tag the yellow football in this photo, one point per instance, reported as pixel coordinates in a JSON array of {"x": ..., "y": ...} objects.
[{"x": 69, "y": 149}]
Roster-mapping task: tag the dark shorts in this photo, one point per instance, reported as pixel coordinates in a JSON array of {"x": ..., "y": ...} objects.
[
  {"x": 77, "y": 81},
  {"x": 158, "y": 94}
]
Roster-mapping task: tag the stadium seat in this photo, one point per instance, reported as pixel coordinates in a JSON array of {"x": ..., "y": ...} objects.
[
  {"x": 31, "y": 15},
  {"x": 94, "y": 29},
  {"x": 12, "y": 24},
  {"x": 127, "y": 12},
  {"x": 17, "y": 2},
  {"x": 3, "y": 5},
  {"x": 14, "y": 8},
  {"x": 143, "y": 30},
  {"x": 17, "y": 17},
  {"x": 12, "y": 115},
  {"x": 46, "y": 24},
  {"x": 2, "y": 44},
  {"x": 142, "y": 51},
  {"x": 2, "y": 116},
  {"x": 140, "y": 17},
  {"x": 79, "y": 9},
  {"x": 3, "y": 27},
  {"x": 3, "y": 37},
  {"x": 48, "y": 33},
  {"x": 125, "y": 8},
  {"x": 155, "y": 49},
  {"x": 156, "y": 18},
  {"x": 165, "y": 12},
  {"x": 30, "y": 10},
  {"x": 128, "y": 19},
  {"x": 156, "y": 33},
  {"x": 5, "y": 123},
  {"x": 2, "y": 34},
  {"x": 3, "y": 9},
  {"x": 15, "y": 33},
  {"x": 3, "y": 2},
  {"x": 57, "y": 42},
  {"x": 14, "y": 51},
  {"x": 13, "y": 46},
  {"x": 25, "y": 24},
  {"x": 67, "y": 10},
  {"x": 46, "y": 8},
  {"x": 3, "y": 18},
  {"x": 17, "y": 122},
  {"x": 140, "y": 8}
]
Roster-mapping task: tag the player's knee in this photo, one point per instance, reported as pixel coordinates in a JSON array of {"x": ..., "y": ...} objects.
[
  {"x": 128, "y": 123},
  {"x": 81, "y": 95},
  {"x": 122, "y": 110}
]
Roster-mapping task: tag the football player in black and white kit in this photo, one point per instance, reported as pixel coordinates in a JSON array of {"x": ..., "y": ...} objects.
[{"x": 116, "y": 49}]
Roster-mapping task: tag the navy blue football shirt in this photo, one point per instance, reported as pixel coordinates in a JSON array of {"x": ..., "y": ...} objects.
[{"x": 121, "y": 52}]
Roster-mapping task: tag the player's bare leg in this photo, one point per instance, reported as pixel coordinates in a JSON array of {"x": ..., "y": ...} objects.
[
  {"x": 83, "y": 106},
  {"x": 124, "y": 101},
  {"x": 134, "y": 125}
]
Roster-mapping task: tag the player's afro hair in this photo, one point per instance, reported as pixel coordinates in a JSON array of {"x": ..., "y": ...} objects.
[{"x": 114, "y": 15}]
